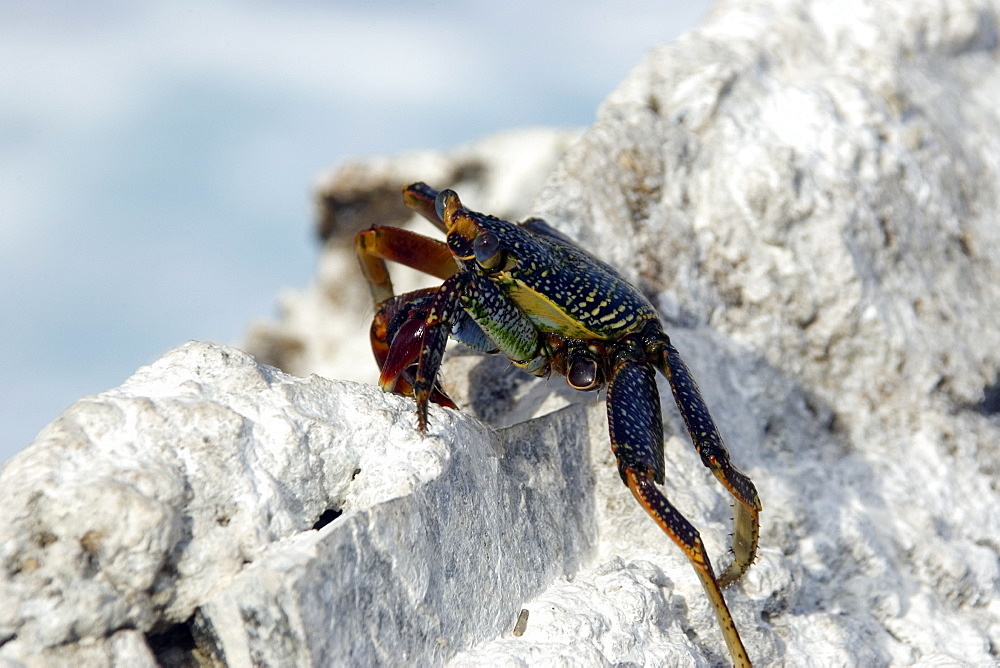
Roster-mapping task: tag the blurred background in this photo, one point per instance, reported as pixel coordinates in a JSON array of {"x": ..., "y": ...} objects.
[{"x": 156, "y": 159}]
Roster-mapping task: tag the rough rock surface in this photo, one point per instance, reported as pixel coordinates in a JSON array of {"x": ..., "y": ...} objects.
[
  {"x": 218, "y": 499},
  {"x": 807, "y": 192}
]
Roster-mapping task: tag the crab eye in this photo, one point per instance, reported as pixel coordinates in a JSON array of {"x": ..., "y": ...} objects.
[
  {"x": 439, "y": 203},
  {"x": 487, "y": 249},
  {"x": 582, "y": 374}
]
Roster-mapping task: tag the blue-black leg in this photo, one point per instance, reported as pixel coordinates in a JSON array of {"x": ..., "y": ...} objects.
[
  {"x": 708, "y": 442},
  {"x": 634, "y": 417},
  {"x": 637, "y": 441}
]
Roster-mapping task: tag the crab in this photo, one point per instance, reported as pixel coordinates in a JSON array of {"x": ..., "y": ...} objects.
[{"x": 526, "y": 291}]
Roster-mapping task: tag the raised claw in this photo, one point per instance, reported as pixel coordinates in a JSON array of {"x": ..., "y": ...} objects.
[{"x": 379, "y": 243}]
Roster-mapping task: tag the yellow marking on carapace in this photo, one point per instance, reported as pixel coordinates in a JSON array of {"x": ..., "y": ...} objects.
[{"x": 547, "y": 312}]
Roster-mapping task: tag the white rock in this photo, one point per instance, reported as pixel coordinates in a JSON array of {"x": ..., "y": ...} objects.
[
  {"x": 823, "y": 198},
  {"x": 195, "y": 487}
]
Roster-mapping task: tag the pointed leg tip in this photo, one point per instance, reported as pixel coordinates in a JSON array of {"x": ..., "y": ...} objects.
[{"x": 422, "y": 418}]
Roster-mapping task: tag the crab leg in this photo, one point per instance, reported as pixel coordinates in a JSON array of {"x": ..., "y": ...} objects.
[
  {"x": 634, "y": 417},
  {"x": 380, "y": 243},
  {"x": 687, "y": 537},
  {"x": 708, "y": 443},
  {"x": 637, "y": 441}
]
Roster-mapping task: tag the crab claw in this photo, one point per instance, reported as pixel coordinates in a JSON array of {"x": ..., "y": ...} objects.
[
  {"x": 397, "y": 335},
  {"x": 421, "y": 198}
]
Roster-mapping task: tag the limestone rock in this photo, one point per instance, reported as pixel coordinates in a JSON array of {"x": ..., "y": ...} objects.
[
  {"x": 810, "y": 196},
  {"x": 279, "y": 520}
]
